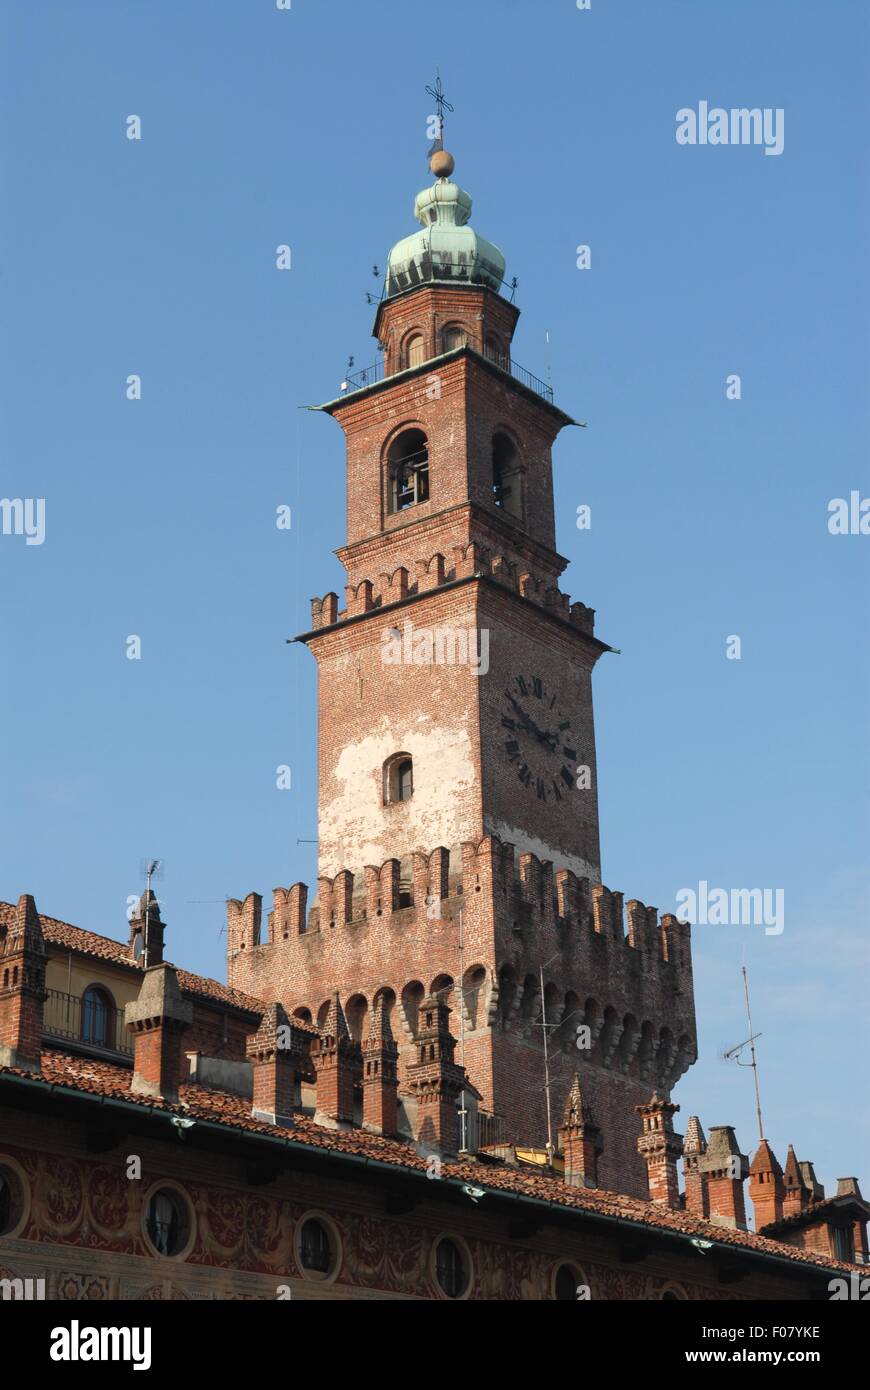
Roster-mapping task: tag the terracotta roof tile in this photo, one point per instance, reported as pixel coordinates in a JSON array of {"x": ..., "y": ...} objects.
[
  {"x": 815, "y": 1211},
  {"x": 106, "y": 1079},
  {"x": 88, "y": 943}
]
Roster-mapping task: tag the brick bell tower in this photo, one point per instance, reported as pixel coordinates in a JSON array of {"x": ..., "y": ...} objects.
[{"x": 458, "y": 807}]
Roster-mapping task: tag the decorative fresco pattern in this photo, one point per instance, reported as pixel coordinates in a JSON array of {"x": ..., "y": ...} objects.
[{"x": 94, "y": 1207}]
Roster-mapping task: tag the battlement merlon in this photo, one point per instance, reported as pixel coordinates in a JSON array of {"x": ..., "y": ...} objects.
[
  {"x": 437, "y": 572},
  {"x": 517, "y": 903}
]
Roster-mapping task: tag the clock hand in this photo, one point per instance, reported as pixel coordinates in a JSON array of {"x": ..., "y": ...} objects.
[{"x": 529, "y": 723}]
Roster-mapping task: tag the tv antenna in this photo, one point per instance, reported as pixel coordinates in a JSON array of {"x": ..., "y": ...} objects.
[
  {"x": 153, "y": 868},
  {"x": 374, "y": 298},
  {"x": 733, "y": 1055}
]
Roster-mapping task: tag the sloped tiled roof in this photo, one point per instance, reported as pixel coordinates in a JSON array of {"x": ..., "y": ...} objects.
[
  {"x": 817, "y": 1211},
  {"x": 84, "y": 1074},
  {"x": 88, "y": 943}
]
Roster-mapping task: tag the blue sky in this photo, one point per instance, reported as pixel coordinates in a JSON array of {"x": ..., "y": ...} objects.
[{"x": 156, "y": 257}]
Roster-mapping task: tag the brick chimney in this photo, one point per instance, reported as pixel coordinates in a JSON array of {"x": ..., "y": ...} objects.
[
  {"x": 723, "y": 1169},
  {"x": 22, "y": 987},
  {"x": 435, "y": 1079},
  {"x": 694, "y": 1148},
  {"x": 146, "y": 931},
  {"x": 158, "y": 1020},
  {"x": 660, "y": 1147},
  {"x": 278, "y": 1054},
  {"x": 766, "y": 1186},
  {"x": 380, "y": 1075},
  {"x": 814, "y": 1187},
  {"x": 338, "y": 1065},
  {"x": 848, "y": 1187},
  {"x": 579, "y": 1140},
  {"x": 796, "y": 1195}
]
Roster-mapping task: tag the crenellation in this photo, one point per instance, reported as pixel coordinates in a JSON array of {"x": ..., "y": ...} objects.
[
  {"x": 487, "y": 867},
  {"x": 359, "y": 598},
  {"x": 643, "y": 926},
  {"x": 630, "y": 987},
  {"x": 432, "y": 572},
  {"x": 394, "y": 587},
  {"x": 289, "y": 911},
  {"x": 501, "y": 569},
  {"x": 382, "y": 889},
  {"x": 582, "y": 617},
  {"x": 324, "y": 611},
  {"x": 607, "y": 912},
  {"x": 562, "y": 909},
  {"x": 243, "y": 923},
  {"x": 573, "y": 898},
  {"x": 554, "y": 598},
  {"x": 467, "y": 559}
]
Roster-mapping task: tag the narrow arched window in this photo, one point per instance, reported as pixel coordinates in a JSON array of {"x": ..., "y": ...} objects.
[
  {"x": 454, "y": 336},
  {"x": 398, "y": 778},
  {"x": 494, "y": 350},
  {"x": 408, "y": 465},
  {"x": 415, "y": 350},
  {"x": 97, "y": 1018},
  {"x": 507, "y": 476}
]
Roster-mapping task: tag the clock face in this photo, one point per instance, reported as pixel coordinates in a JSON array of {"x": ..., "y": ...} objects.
[{"x": 538, "y": 741}]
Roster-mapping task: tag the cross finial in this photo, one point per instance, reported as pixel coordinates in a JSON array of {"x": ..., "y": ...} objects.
[{"x": 441, "y": 102}]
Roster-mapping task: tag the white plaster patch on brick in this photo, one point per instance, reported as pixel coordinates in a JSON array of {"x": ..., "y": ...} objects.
[
  {"x": 530, "y": 844},
  {"x": 355, "y": 826}
]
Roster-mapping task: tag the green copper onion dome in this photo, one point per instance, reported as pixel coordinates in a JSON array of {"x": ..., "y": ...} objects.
[{"x": 447, "y": 249}]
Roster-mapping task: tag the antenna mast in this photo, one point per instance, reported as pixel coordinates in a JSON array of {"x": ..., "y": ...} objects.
[
  {"x": 550, "y": 1149},
  {"x": 733, "y": 1054},
  {"x": 753, "y": 1064},
  {"x": 152, "y": 868},
  {"x": 463, "y": 1113}
]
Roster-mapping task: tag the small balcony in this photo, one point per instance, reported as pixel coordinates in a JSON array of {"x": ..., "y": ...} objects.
[
  {"x": 86, "y": 1023},
  {"x": 485, "y": 1130},
  {"x": 358, "y": 381}
]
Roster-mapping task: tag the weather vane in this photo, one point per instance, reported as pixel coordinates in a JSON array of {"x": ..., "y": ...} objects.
[{"x": 441, "y": 105}]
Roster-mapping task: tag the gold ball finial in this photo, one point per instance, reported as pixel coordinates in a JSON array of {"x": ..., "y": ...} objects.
[{"x": 442, "y": 164}]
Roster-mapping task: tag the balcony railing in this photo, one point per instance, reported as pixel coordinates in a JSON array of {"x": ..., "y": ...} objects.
[
  {"x": 485, "y": 1130},
  {"x": 534, "y": 383},
  {"x": 93, "y": 1025},
  {"x": 358, "y": 381}
]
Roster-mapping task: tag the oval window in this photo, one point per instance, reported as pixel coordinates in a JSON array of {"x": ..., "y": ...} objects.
[
  {"x": 11, "y": 1200},
  {"x": 167, "y": 1221},
  {"x": 451, "y": 1268}
]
